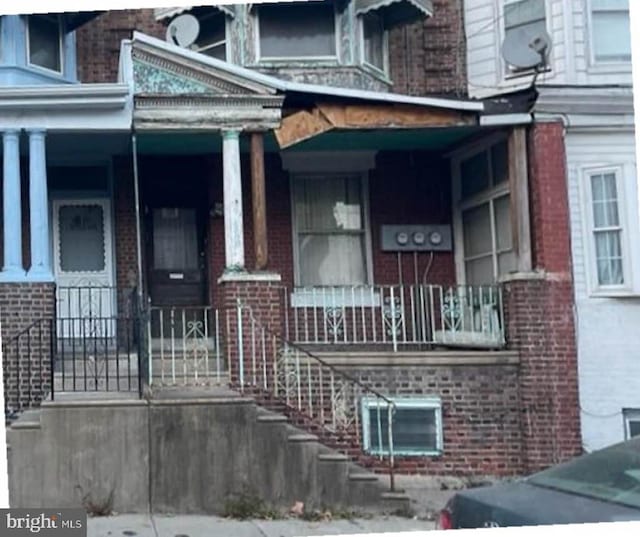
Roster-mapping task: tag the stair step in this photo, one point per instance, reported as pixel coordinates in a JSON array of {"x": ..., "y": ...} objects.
[
  {"x": 26, "y": 425},
  {"x": 303, "y": 438},
  {"x": 272, "y": 418},
  {"x": 333, "y": 457},
  {"x": 363, "y": 477},
  {"x": 395, "y": 496}
]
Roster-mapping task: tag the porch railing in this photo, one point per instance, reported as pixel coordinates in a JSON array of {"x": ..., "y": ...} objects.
[
  {"x": 185, "y": 346},
  {"x": 27, "y": 361},
  {"x": 396, "y": 315},
  {"x": 313, "y": 392}
]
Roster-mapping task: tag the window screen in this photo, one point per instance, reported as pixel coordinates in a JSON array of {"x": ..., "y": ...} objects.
[
  {"x": 611, "y": 32},
  {"x": 416, "y": 427}
]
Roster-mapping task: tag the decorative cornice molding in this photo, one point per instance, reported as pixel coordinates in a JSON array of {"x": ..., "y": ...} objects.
[{"x": 68, "y": 97}]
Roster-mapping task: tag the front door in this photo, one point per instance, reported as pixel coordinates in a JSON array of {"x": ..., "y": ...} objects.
[
  {"x": 83, "y": 266},
  {"x": 177, "y": 271}
]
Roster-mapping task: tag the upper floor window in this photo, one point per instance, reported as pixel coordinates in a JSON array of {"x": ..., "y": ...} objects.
[
  {"x": 524, "y": 18},
  {"x": 290, "y": 31},
  {"x": 374, "y": 40},
  {"x": 606, "y": 228},
  {"x": 45, "y": 42},
  {"x": 212, "y": 36},
  {"x": 611, "y": 30}
]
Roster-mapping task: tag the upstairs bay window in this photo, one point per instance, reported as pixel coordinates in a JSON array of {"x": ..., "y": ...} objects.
[
  {"x": 610, "y": 31},
  {"x": 329, "y": 230},
  {"x": 374, "y": 41},
  {"x": 212, "y": 36},
  {"x": 297, "y": 31},
  {"x": 45, "y": 42}
]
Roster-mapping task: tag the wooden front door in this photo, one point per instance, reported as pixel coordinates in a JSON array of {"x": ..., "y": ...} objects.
[{"x": 177, "y": 268}]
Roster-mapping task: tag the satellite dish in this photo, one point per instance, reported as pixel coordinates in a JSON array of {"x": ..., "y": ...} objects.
[
  {"x": 526, "y": 48},
  {"x": 183, "y": 30}
]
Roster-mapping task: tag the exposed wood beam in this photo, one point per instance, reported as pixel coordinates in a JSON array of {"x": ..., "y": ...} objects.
[
  {"x": 519, "y": 187},
  {"x": 302, "y": 125},
  {"x": 258, "y": 198}
]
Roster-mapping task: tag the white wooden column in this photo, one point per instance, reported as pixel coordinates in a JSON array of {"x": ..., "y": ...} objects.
[
  {"x": 232, "y": 185},
  {"x": 39, "y": 208},
  {"x": 12, "y": 206}
]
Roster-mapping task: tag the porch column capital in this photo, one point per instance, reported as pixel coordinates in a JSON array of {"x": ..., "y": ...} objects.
[
  {"x": 39, "y": 208},
  {"x": 12, "y": 208},
  {"x": 232, "y": 194}
]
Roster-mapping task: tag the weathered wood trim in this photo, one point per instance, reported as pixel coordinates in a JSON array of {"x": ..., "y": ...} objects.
[
  {"x": 301, "y": 126},
  {"x": 258, "y": 199},
  {"x": 519, "y": 187}
]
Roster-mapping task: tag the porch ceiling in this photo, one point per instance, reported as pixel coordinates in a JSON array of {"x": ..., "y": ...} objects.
[{"x": 338, "y": 140}]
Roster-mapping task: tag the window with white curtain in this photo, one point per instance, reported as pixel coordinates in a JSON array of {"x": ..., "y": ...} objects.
[
  {"x": 485, "y": 215},
  {"x": 329, "y": 229},
  {"x": 606, "y": 228},
  {"x": 611, "y": 31},
  {"x": 302, "y": 30},
  {"x": 45, "y": 42}
]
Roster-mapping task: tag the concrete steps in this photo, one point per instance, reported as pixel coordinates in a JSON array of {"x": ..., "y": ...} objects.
[{"x": 319, "y": 476}]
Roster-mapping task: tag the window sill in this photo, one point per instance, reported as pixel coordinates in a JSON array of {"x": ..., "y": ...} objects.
[
  {"x": 335, "y": 299},
  {"x": 404, "y": 453},
  {"x": 614, "y": 293}
]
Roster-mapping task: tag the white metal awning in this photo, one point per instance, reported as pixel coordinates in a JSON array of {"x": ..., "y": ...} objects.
[
  {"x": 396, "y": 12},
  {"x": 170, "y": 12}
]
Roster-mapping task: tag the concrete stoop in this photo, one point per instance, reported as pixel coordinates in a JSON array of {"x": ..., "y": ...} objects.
[{"x": 181, "y": 454}]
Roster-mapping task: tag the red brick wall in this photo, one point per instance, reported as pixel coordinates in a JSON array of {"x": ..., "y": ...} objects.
[
  {"x": 549, "y": 202},
  {"x": 425, "y": 57},
  {"x": 540, "y": 325},
  {"x": 98, "y": 42},
  {"x": 430, "y": 56},
  {"x": 26, "y": 312}
]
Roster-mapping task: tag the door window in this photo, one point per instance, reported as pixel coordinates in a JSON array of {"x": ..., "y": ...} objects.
[
  {"x": 175, "y": 240},
  {"x": 82, "y": 241}
]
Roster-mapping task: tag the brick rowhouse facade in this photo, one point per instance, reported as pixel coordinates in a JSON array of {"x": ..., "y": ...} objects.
[{"x": 498, "y": 418}]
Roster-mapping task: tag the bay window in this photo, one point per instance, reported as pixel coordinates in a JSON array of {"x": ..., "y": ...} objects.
[
  {"x": 373, "y": 41},
  {"x": 212, "y": 36},
  {"x": 304, "y": 30},
  {"x": 45, "y": 42}
]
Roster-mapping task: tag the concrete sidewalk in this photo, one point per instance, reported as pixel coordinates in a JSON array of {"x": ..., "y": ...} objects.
[{"x": 211, "y": 526}]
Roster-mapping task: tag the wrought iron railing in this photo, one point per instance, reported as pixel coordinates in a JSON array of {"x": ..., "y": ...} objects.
[
  {"x": 395, "y": 315},
  {"x": 27, "y": 363},
  {"x": 185, "y": 346},
  {"x": 316, "y": 393},
  {"x": 97, "y": 354}
]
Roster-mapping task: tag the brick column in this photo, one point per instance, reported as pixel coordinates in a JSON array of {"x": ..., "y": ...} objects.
[
  {"x": 261, "y": 297},
  {"x": 539, "y": 312}
]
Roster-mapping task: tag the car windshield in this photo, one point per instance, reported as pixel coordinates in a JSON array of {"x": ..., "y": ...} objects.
[{"x": 612, "y": 474}]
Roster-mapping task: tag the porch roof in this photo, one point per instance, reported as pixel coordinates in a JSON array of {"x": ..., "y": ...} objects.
[{"x": 276, "y": 85}]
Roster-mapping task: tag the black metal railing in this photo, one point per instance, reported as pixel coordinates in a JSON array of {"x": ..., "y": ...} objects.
[{"x": 27, "y": 363}]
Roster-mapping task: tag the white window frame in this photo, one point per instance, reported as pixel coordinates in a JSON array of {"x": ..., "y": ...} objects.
[
  {"x": 593, "y": 62},
  {"x": 60, "y": 47},
  {"x": 225, "y": 41},
  {"x": 629, "y": 415},
  {"x": 486, "y": 196},
  {"x": 293, "y": 59},
  {"x": 514, "y": 72},
  {"x": 430, "y": 403},
  {"x": 303, "y": 301},
  {"x": 385, "y": 50},
  {"x": 596, "y": 289}
]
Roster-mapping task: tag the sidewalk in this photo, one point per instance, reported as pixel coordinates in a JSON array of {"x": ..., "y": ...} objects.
[{"x": 210, "y": 526}]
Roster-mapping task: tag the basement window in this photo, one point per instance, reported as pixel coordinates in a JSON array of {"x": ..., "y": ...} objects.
[{"x": 417, "y": 426}]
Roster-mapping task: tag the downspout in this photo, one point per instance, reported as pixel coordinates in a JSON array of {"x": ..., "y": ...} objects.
[{"x": 136, "y": 187}]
